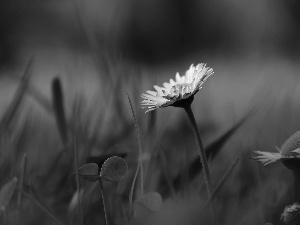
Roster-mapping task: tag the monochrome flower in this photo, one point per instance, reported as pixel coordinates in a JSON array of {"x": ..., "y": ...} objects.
[
  {"x": 289, "y": 150},
  {"x": 173, "y": 92}
]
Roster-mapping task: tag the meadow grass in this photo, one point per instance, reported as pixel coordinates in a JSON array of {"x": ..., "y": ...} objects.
[{"x": 45, "y": 139}]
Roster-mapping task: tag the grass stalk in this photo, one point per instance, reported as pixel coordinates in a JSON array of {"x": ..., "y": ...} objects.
[
  {"x": 77, "y": 182},
  {"x": 124, "y": 212},
  {"x": 132, "y": 189},
  {"x": 23, "y": 168},
  {"x": 43, "y": 208},
  {"x": 165, "y": 170},
  {"x": 221, "y": 182},
  {"x": 139, "y": 145}
]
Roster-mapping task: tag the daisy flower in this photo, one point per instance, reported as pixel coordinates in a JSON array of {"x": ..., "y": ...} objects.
[
  {"x": 289, "y": 150},
  {"x": 181, "y": 91}
]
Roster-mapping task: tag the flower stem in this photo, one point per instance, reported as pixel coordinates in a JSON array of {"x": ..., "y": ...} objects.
[
  {"x": 203, "y": 159},
  {"x": 105, "y": 214},
  {"x": 201, "y": 150}
]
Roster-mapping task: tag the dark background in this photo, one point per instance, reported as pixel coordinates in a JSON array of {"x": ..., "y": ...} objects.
[
  {"x": 102, "y": 50},
  {"x": 152, "y": 31}
]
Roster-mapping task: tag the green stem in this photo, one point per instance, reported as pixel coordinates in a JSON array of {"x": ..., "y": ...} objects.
[
  {"x": 201, "y": 150},
  {"x": 104, "y": 208}
]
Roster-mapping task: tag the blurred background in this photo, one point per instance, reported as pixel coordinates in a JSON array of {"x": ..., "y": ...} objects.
[{"x": 100, "y": 51}]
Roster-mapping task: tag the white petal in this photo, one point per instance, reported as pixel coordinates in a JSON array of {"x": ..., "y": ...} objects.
[
  {"x": 150, "y": 110},
  {"x": 159, "y": 90},
  {"x": 148, "y": 104},
  {"x": 145, "y": 102},
  {"x": 200, "y": 67},
  {"x": 178, "y": 78},
  {"x": 267, "y": 158},
  {"x": 189, "y": 74},
  {"x": 153, "y": 93},
  {"x": 172, "y": 82},
  {"x": 150, "y": 97},
  {"x": 167, "y": 86}
]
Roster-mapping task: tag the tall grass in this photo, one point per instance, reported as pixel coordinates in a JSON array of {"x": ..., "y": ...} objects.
[{"x": 103, "y": 126}]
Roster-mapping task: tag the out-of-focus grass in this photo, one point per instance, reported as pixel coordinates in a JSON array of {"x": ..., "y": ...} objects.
[{"x": 251, "y": 195}]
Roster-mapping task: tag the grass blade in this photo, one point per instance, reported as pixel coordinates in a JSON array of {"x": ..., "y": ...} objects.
[
  {"x": 221, "y": 182},
  {"x": 77, "y": 182},
  {"x": 46, "y": 104},
  {"x": 43, "y": 208},
  {"x": 40, "y": 98},
  {"x": 17, "y": 99},
  {"x": 132, "y": 189},
  {"x": 163, "y": 161},
  {"x": 22, "y": 173},
  {"x": 58, "y": 105},
  {"x": 6, "y": 192},
  {"x": 195, "y": 220},
  {"x": 215, "y": 147},
  {"x": 124, "y": 212}
]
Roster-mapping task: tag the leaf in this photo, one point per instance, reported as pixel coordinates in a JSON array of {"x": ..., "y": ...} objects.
[
  {"x": 113, "y": 169},
  {"x": 89, "y": 172},
  {"x": 6, "y": 192},
  {"x": 152, "y": 201}
]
